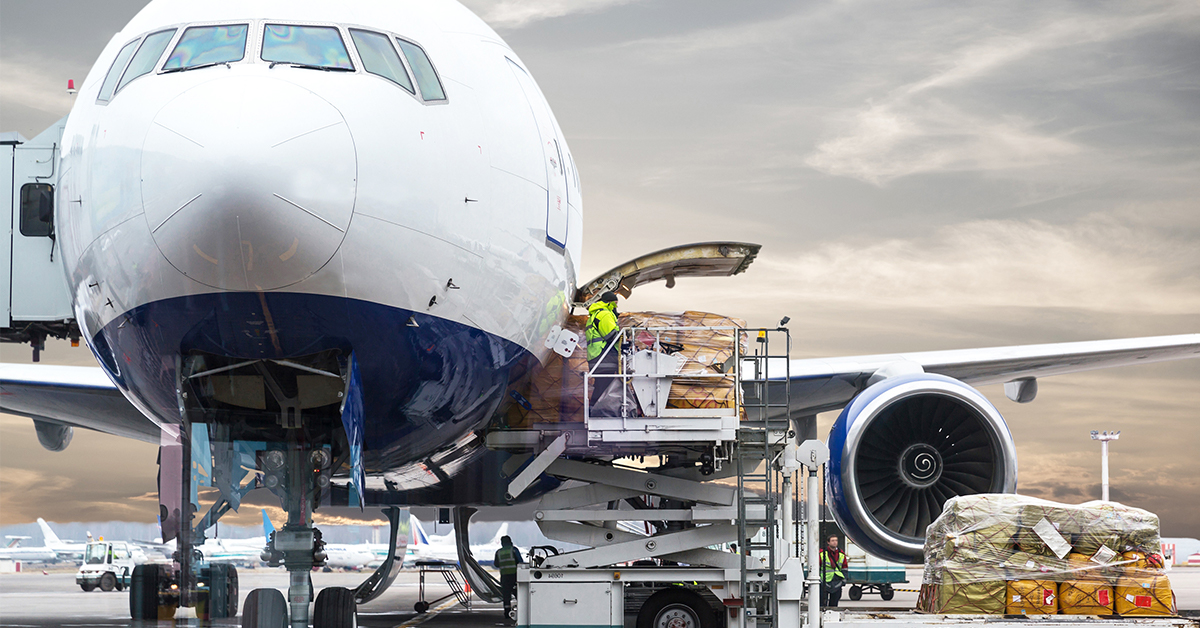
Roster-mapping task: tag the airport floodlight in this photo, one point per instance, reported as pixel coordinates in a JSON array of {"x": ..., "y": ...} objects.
[{"x": 1104, "y": 437}]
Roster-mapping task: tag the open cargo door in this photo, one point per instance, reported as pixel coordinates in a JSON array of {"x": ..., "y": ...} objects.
[{"x": 705, "y": 259}]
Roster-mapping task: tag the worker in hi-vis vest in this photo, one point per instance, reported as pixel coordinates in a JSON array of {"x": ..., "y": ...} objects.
[
  {"x": 602, "y": 331},
  {"x": 834, "y": 566},
  {"x": 506, "y": 560}
]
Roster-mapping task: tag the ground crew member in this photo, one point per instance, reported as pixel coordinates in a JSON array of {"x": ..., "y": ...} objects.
[
  {"x": 602, "y": 331},
  {"x": 506, "y": 560},
  {"x": 834, "y": 566}
]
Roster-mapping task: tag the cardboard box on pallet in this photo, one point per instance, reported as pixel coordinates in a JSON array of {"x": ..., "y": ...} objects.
[{"x": 553, "y": 392}]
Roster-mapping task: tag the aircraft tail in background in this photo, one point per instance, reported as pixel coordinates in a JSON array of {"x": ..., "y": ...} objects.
[
  {"x": 50, "y": 537},
  {"x": 418, "y": 531},
  {"x": 268, "y": 527},
  {"x": 501, "y": 533}
]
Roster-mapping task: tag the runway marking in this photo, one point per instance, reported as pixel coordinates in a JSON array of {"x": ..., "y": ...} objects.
[{"x": 424, "y": 617}]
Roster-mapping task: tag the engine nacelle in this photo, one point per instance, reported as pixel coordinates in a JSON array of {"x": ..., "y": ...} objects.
[{"x": 902, "y": 448}]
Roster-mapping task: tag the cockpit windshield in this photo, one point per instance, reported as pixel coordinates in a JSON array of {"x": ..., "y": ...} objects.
[
  {"x": 207, "y": 45},
  {"x": 309, "y": 46}
]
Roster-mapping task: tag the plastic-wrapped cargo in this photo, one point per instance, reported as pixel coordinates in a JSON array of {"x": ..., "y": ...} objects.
[
  {"x": 1094, "y": 558},
  {"x": 553, "y": 392},
  {"x": 1031, "y": 597}
]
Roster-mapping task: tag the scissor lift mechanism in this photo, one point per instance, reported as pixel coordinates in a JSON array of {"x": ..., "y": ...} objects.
[{"x": 750, "y": 445}]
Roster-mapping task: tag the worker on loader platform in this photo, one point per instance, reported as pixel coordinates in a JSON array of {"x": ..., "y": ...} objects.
[
  {"x": 506, "y": 560},
  {"x": 834, "y": 566},
  {"x": 602, "y": 331}
]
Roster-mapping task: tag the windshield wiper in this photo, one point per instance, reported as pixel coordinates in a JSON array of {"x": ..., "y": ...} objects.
[
  {"x": 309, "y": 66},
  {"x": 195, "y": 67}
]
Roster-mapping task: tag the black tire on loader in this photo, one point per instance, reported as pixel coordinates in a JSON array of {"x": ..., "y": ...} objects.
[
  {"x": 108, "y": 581},
  {"x": 675, "y": 605}
]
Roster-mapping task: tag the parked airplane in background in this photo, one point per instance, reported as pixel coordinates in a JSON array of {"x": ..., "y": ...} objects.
[
  {"x": 247, "y": 551},
  {"x": 327, "y": 243},
  {"x": 72, "y": 550},
  {"x": 423, "y": 547},
  {"x": 14, "y": 551}
]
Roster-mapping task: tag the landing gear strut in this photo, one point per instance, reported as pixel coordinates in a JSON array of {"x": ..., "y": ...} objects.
[{"x": 297, "y": 475}]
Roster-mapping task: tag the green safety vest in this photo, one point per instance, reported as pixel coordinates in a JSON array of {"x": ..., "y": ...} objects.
[
  {"x": 601, "y": 329},
  {"x": 831, "y": 565},
  {"x": 506, "y": 560}
]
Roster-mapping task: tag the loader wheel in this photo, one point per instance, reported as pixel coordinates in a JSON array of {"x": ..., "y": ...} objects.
[
  {"x": 676, "y": 608},
  {"x": 87, "y": 586},
  {"x": 887, "y": 592},
  {"x": 108, "y": 582},
  {"x": 856, "y": 593}
]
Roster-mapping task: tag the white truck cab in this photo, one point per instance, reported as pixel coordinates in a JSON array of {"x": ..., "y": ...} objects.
[{"x": 108, "y": 565}]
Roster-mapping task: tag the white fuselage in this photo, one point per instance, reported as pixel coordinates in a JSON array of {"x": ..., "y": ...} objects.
[{"x": 189, "y": 198}]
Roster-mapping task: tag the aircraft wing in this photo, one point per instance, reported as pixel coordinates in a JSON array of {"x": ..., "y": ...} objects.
[
  {"x": 78, "y": 396},
  {"x": 820, "y": 385}
]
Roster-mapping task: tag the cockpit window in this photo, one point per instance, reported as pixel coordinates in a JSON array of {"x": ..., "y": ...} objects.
[
  {"x": 147, "y": 56},
  {"x": 315, "y": 46},
  {"x": 205, "y": 45},
  {"x": 380, "y": 58},
  {"x": 114, "y": 72},
  {"x": 427, "y": 78}
]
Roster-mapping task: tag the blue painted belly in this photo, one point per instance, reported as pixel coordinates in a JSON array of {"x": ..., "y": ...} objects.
[{"x": 426, "y": 387}]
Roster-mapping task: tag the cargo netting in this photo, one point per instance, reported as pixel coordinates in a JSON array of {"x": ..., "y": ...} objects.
[
  {"x": 555, "y": 389},
  {"x": 1017, "y": 555}
]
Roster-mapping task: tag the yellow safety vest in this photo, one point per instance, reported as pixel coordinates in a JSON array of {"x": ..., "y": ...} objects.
[
  {"x": 601, "y": 329},
  {"x": 830, "y": 566},
  {"x": 506, "y": 560}
]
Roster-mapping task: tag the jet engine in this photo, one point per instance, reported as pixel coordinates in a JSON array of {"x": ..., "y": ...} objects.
[{"x": 902, "y": 448}]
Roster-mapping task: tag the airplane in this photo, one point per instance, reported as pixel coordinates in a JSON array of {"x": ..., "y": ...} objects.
[
  {"x": 444, "y": 548},
  {"x": 62, "y": 549},
  {"x": 14, "y": 551},
  {"x": 322, "y": 243},
  {"x": 247, "y": 551}
]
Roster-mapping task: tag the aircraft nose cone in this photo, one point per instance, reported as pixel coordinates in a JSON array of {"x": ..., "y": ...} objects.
[{"x": 248, "y": 183}]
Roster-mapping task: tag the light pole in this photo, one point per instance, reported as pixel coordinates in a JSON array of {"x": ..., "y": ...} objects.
[{"x": 1104, "y": 437}]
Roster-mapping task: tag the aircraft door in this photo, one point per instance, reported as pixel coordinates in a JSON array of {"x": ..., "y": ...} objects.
[{"x": 556, "y": 171}]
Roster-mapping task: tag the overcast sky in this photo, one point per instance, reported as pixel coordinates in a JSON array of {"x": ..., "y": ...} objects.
[{"x": 921, "y": 175}]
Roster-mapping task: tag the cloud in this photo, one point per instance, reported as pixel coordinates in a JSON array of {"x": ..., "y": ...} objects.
[
  {"x": 517, "y": 13},
  {"x": 927, "y": 125},
  {"x": 1097, "y": 263}
]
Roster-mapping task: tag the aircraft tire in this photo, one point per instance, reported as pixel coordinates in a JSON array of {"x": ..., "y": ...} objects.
[
  {"x": 335, "y": 608},
  {"x": 669, "y": 606},
  {"x": 143, "y": 592},
  {"x": 265, "y": 608},
  {"x": 108, "y": 582}
]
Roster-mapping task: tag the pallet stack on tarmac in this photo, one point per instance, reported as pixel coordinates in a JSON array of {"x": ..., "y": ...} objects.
[{"x": 1016, "y": 555}]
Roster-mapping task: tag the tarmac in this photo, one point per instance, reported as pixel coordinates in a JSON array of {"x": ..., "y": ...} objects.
[{"x": 33, "y": 599}]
